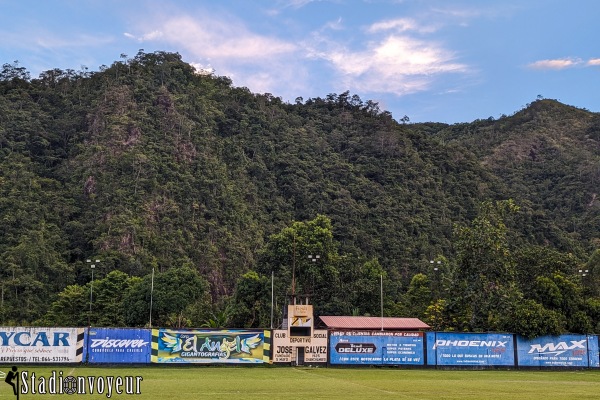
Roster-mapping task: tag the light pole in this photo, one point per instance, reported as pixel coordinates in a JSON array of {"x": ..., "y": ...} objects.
[
  {"x": 583, "y": 273},
  {"x": 151, "y": 294},
  {"x": 436, "y": 270},
  {"x": 92, "y": 266},
  {"x": 272, "y": 295},
  {"x": 314, "y": 259}
]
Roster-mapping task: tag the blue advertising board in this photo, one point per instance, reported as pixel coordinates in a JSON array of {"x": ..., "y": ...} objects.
[
  {"x": 376, "y": 348},
  {"x": 117, "y": 346},
  {"x": 593, "y": 351},
  {"x": 554, "y": 351},
  {"x": 481, "y": 349},
  {"x": 431, "y": 355}
]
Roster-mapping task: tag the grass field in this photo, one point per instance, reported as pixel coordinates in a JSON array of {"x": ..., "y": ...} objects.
[{"x": 333, "y": 383}]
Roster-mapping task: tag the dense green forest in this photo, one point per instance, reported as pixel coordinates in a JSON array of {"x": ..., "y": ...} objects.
[{"x": 180, "y": 180}]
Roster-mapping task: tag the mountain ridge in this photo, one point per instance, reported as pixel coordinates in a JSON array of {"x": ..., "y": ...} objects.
[{"x": 151, "y": 165}]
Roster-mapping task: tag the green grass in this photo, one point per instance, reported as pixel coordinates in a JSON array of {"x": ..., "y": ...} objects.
[{"x": 200, "y": 382}]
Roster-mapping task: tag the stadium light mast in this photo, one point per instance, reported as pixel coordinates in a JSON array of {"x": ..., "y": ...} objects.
[
  {"x": 381, "y": 297},
  {"x": 92, "y": 266},
  {"x": 294, "y": 271},
  {"x": 272, "y": 295},
  {"x": 151, "y": 295},
  {"x": 436, "y": 276}
]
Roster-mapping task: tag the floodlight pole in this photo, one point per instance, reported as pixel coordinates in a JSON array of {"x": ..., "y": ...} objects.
[
  {"x": 294, "y": 271},
  {"x": 151, "y": 294},
  {"x": 381, "y": 289},
  {"x": 92, "y": 266},
  {"x": 272, "y": 296},
  {"x": 436, "y": 271}
]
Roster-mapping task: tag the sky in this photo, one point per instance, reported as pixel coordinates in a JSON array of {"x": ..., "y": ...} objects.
[{"x": 445, "y": 61}]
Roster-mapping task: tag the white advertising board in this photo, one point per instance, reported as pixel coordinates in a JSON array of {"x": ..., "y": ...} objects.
[
  {"x": 40, "y": 345},
  {"x": 315, "y": 347}
]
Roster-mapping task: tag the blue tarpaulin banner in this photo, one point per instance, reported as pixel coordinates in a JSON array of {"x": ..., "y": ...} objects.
[
  {"x": 484, "y": 349},
  {"x": 555, "y": 351},
  {"x": 117, "y": 346},
  {"x": 593, "y": 348},
  {"x": 376, "y": 348},
  {"x": 430, "y": 341}
]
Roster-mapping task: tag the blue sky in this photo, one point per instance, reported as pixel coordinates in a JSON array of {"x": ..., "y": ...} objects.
[{"x": 432, "y": 60}]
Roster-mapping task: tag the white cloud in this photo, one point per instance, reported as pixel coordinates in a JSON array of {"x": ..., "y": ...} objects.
[
  {"x": 334, "y": 25},
  {"x": 594, "y": 62},
  {"x": 400, "y": 25},
  {"x": 295, "y": 4},
  {"x": 559, "y": 63},
  {"x": 202, "y": 69},
  {"x": 459, "y": 12},
  {"x": 385, "y": 58},
  {"x": 219, "y": 39},
  {"x": 396, "y": 64},
  {"x": 50, "y": 41},
  {"x": 481, "y": 11},
  {"x": 145, "y": 37},
  {"x": 299, "y": 3}
]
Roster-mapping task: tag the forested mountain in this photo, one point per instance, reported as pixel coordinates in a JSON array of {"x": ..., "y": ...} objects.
[{"x": 148, "y": 164}]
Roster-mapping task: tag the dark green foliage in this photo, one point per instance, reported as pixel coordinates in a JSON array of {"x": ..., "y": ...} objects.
[
  {"x": 179, "y": 299},
  {"x": 149, "y": 165},
  {"x": 250, "y": 308},
  {"x": 99, "y": 303},
  {"x": 418, "y": 296},
  {"x": 531, "y": 319},
  {"x": 485, "y": 267},
  {"x": 287, "y": 255}
]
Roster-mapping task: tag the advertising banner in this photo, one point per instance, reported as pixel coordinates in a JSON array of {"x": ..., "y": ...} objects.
[
  {"x": 207, "y": 346},
  {"x": 115, "y": 346},
  {"x": 554, "y": 351},
  {"x": 315, "y": 347},
  {"x": 593, "y": 351},
  {"x": 40, "y": 345},
  {"x": 483, "y": 349},
  {"x": 376, "y": 347},
  {"x": 431, "y": 351}
]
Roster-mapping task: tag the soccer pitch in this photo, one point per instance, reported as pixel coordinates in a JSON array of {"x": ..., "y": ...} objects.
[{"x": 210, "y": 382}]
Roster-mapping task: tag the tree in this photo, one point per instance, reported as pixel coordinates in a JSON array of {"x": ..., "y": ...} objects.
[
  {"x": 180, "y": 298},
  {"x": 251, "y": 302},
  {"x": 109, "y": 293},
  {"x": 12, "y": 72},
  {"x": 592, "y": 280},
  {"x": 360, "y": 285},
  {"x": 419, "y": 296},
  {"x": 70, "y": 308},
  {"x": 485, "y": 266},
  {"x": 436, "y": 316},
  {"x": 287, "y": 255},
  {"x": 531, "y": 319},
  {"x": 532, "y": 262},
  {"x": 74, "y": 307}
]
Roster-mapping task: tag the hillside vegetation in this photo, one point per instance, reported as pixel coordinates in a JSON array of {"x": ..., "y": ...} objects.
[{"x": 148, "y": 165}]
